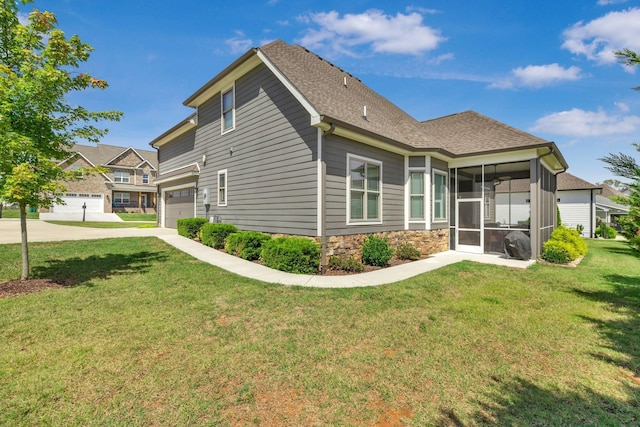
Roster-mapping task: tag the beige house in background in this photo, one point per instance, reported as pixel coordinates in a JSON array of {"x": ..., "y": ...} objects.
[{"x": 127, "y": 185}]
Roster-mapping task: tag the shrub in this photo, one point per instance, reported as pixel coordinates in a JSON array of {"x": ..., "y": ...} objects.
[
  {"x": 406, "y": 251},
  {"x": 214, "y": 234},
  {"x": 291, "y": 254},
  {"x": 345, "y": 263},
  {"x": 376, "y": 251},
  {"x": 572, "y": 237},
  {"x": 190, "y": 227},
  {"x": 559, "y": 252},
  {"x": 634, "y": 244},
  {"x": 606, "y": 232},
  {"x": 246, "y": 244}
]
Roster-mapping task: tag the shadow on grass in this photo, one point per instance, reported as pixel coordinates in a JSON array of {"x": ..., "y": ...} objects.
[
  {"x": 521, "y": 402},
  {"x": 77, "y": 270}
]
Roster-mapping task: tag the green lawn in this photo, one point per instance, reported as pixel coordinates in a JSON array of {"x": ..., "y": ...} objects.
[
  {"x": 15, "y": 213},
  {"x": 137, "y": 217},
  {"x": 149, "y": 336},
  {"x": 106, "y": 224}
]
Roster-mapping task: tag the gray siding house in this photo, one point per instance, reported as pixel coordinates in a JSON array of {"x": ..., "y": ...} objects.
[{"x": 284, "y": 142}]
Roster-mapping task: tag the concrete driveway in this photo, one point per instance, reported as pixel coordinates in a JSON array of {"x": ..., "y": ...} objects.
[{"x": 40, "y": 231}]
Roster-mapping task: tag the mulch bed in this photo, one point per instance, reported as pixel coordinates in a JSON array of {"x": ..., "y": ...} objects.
[{"x": 21, "y": 287}]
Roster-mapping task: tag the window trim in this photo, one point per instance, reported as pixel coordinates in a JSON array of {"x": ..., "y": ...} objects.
[
  {"x": 365, "y": 220},
  {"x": 121, "y": 201},
  {"x": 115, "y": 177},
  {"x": 143, "y": 178},
  {"x": 224, "y": 173},
  {"x": 231, "y": 89},
  {"x": 423, "y": 218},
  {"x": 445, "y": 196}
]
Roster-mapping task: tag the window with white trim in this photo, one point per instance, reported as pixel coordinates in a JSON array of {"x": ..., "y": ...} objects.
[
  {"x": 222, "y": 188},
  {"x": 364, "y": 190},
  {"x": 228, "y": 110},
  {"x": 120, "y": 176},
  {"x": 416, "y": 195},
  {"x": 121, "y": 198},
  {"x": 439, "y": 195},
  {"x": 145, "y": 178}
]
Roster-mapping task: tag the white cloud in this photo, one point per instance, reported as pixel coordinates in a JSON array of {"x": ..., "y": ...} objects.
[
  {"x": 597, "y": 39},
  {"x": 537, "y": 76},
  {"x": 421, "y": 10},
  {"x": 622, "y": 107},
  {"x": 399, "y": 34},
  {"x": 580, "y": 123},
  {"x": 441, "y": 58},
  {"x": 239, "y": 44},
  {"x": 23, "y": 18},
  {"x": 608, "y": 2}
]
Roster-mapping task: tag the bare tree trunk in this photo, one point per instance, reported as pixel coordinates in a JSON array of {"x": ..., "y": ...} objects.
[{"x": 25, "y": 246}]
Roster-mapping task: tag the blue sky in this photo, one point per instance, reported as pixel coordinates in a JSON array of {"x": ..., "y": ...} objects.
[{"x": 545, "y": 67}]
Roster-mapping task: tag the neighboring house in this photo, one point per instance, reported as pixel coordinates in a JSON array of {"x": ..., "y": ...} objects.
[
  {"x": 580, "y": 202},
  {"x": 577, "y": 203},
  {"x": 284, "y": 142},
  {"x": 126, "y": 185},
  {"x": 606, "y": 209}
]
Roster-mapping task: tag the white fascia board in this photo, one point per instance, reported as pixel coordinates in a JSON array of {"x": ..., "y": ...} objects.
[
  {"x": 175, "y": 132},
  {"x": 487, "y": 159},
  {"x": 315, "y": 116}
]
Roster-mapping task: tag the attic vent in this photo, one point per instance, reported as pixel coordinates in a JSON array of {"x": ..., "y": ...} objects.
[
  {"x": 345, "y": 82},
  {"x": 364, "y": 113}
]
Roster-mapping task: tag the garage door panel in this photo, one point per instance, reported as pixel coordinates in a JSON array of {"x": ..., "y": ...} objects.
[
  {"x": 179, "y": 204},
  {"x": 74, "y": 203}
]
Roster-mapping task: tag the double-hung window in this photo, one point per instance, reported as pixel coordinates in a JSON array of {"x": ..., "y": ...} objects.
[
  {"x": 228, "y": 110},
  {"x": 145, "y": 178},
  {"x": 122, "y": 177},
  {"x": 121, "y": 198},
  {"x": 416, "y": 195},
  {"x": 222, "y": 188},
  {"x": 439, "y": 195},
  {"x": 364, "y": 190}
]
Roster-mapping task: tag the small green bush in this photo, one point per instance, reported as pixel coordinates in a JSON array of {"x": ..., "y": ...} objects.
[
  {"x": 376, "y": 251},
  {"x": 246, "y": 244},
  {"x": 606, "y": 232},
  {"x": 406, "y": 251},
  {"x": 214, "y": 234},
  {"x": 291, "y": 254},
  {"x": 190, "y": 227},
  {"x": 572, "y": 237},
  {"x": 345, "y": 263},
  {"x": 559, "y": 252}
]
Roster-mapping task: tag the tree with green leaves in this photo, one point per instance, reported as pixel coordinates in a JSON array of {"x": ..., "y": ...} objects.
[
  {"x": 627, "y": 167},
  {"x": 38, "y": 126}
]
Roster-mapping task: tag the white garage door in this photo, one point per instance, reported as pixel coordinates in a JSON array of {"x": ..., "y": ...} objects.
[{"x": 75, "y": 201}]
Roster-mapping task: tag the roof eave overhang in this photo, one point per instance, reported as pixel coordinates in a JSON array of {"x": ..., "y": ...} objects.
[
  {"x": 224, "y": 79},
  {"x": 355, "y": 133},
  {"x": 179, "y": 129},
  {"x": 177, "y": 177}
]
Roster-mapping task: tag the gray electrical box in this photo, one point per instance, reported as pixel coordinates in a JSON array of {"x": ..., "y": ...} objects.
[{"x": 206, "y": 196}]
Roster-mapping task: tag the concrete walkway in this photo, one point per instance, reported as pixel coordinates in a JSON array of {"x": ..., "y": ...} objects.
[
  {"x": 373, "y": 278},
  {"x": 40, "y": 231}
]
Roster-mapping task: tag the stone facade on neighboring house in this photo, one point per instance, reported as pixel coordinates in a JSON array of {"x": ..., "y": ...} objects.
[{"x": 126, "y": 184}]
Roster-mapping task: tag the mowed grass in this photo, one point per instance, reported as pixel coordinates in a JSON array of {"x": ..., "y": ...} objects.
[
  {"x": 104, "y": 224},
  {"x": 15, "y": 213},
  {"x": 149, "y": 336},
  {"x": 137, "y": 217}
]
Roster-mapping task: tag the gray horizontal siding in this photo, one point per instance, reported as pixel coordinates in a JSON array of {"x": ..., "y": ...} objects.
[
  {"x": 270, "y": 159},
  {"x": 335, "y": 154}
]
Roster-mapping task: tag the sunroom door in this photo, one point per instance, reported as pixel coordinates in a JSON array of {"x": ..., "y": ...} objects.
[{"x": 469, "y": 236}]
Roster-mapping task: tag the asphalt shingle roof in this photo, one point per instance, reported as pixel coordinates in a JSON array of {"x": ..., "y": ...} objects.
[{"x": 100, "y": 154}]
